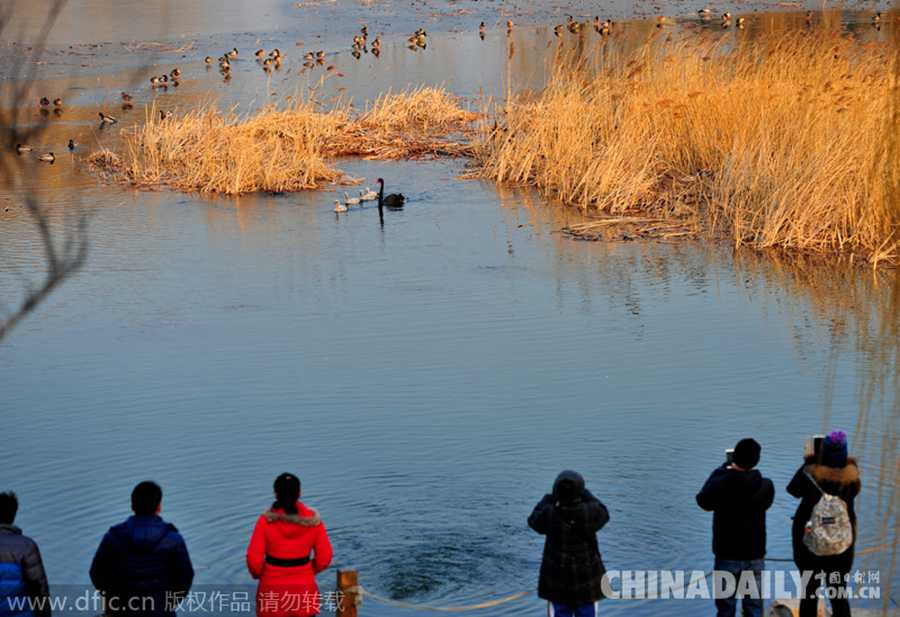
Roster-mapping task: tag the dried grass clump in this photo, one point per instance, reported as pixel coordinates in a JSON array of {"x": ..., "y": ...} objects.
[
  {"x": 781, "y": 142},
  {"x": 106, "y": 161},
  {"x": 285, "y": 150}
]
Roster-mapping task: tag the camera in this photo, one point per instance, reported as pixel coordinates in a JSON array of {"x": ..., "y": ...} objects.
[
  {"x": 729, "y": 456},
  {"x": 813, "y": 446}
]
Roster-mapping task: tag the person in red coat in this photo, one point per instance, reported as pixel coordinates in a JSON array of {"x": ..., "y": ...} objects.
[{"x": 288, "y": 548}]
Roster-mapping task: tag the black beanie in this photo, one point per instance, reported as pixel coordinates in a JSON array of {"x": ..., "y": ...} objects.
[{"x": 746, "y": 453}]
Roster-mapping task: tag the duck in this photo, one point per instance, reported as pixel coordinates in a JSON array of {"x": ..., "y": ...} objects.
[
  {"x": 726, "y": 17},
  {"x": 310, "y": 55},
  {"x": 509, "y": 26},
  {"x": 368, "y": 195},
  {"x": 260, "y": 54},
  {"x": 267, "y": 65},
  {"x": 176, "y": 73},
  {"x": 420, "y": 39},
  {"x": 351, "y": 201},
  {"x": 71, "y": 145},
  {"x": 126, "y": 98},
  {"x": 704, "y": 12},
  {"x": 224, "y": 64},
  {"x": 47, "y": 158},
  {"x": 208, "y": 60},
  {"x": 57, "y": 102},
  {"x": 276, "y": 54},
  {"x": 45, "y": 102},
  {"x": 741, "y": 21},
  {"x": 339, "y": 207},
  {"x": 606, "y": 27},
  {"x": 165, "y": 115},
  {"x": 660, "y": 20},
  {"x": 233, "y": 53},
  {"x": 320, "y": 55},
  {"x": 365, "y": 31},
  {"x": 557, "y": 29},
  {"x": 394, "y": 201},
  {"x": 23, "y": 148},
  {"x": 481, "y": 30},
  {"x": 355, "y": 53},
  {"x": 876, "y": 18},
  {"x": 106, "y": 119},
  {"x": 376, "y": 44},
  {"x": 154, "y": 81}
]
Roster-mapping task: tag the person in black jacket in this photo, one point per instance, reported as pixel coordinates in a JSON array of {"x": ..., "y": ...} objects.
[
  {"x": 738, "y": 496},
  {"x": 142, "y": 566},
  {"x": 23, "y": 583},
  {"x": 572, "y": 570},
  {"x": 836, "y": 474}
]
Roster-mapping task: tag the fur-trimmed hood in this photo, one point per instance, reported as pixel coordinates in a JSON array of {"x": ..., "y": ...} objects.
[
  {"x": 307, "y": 520},
  {"x": 846, "y": 475}
]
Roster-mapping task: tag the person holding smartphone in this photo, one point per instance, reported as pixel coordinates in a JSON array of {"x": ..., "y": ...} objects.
[
  {"x": 738, "y": 496},
  {"x": 572, "y": 570}
]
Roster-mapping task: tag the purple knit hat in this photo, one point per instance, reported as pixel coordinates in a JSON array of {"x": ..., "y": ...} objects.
[{"x": 834, "y": 449}]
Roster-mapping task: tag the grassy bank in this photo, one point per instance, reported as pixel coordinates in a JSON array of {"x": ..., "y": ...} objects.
[
  {"x": 283, "y": 150},
  {"x": 787, "y": 141}
]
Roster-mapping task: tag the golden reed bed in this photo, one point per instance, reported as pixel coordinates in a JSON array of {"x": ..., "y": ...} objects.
[
  {"x": 788, "y": 141},
  {"x": 284, "y": 150}
]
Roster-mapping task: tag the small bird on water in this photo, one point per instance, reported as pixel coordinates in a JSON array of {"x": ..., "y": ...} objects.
[
  {"x": 23, "y": 148},
  {"x": 106, "y": 119},
  {"x": 72, "y": 144},
  {"x": 47, "y": 158}
]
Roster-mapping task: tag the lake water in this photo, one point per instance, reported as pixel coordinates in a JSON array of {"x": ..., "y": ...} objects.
[{"x": 427, "y": 380}]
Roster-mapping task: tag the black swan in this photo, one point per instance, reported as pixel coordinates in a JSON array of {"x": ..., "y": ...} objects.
[{"x": 394, "y": 201}]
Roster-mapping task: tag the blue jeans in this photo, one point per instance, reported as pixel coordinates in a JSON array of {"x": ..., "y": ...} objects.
[
  {"x": 564, "y": 610},
  {"x": 750, "y": 607}
]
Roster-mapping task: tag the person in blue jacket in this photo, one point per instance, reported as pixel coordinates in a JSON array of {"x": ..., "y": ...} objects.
[
  {"x": 142, "y": 566},
  {"x": 23, "y": 583}
]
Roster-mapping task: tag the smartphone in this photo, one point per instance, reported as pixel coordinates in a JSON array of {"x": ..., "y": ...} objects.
[
  {"x": 729, "y": 456},
  {"x": 813, "y": 446}
]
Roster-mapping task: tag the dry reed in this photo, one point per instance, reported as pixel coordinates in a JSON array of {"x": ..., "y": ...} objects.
[
  {"x": 283, "y": 150},
  {"x": 780, "y": 142}
]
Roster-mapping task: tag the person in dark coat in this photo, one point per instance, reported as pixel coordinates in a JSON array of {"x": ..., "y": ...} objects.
[
  {"x": 738, "y": 496},
  {"x": 572, "y": 570},
  {"x": 142, "y": 566},
  {"x": 23, "y": 583},
  {"x": 836, "y": 474}
]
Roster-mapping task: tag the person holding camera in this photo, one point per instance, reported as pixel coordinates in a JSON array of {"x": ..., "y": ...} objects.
[
  {"x": 824, "y": 530},
  {"x": 738, "y": 496},
  {"x": 572, "y": 570}
]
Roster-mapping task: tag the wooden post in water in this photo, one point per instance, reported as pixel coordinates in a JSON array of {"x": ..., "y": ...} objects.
[{"x": 348, "y": 593}]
